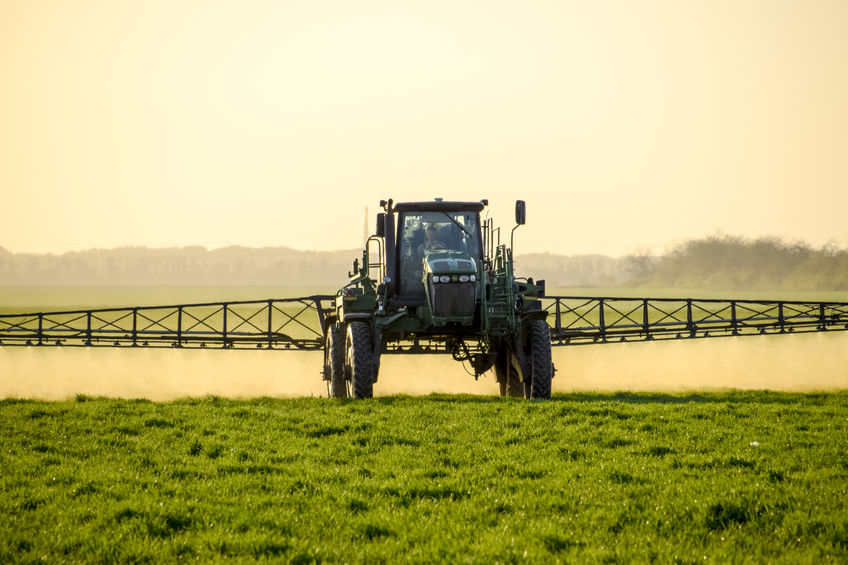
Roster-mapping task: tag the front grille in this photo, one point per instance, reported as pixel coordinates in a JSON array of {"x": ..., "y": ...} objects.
[{"x": 452, "y": 300}]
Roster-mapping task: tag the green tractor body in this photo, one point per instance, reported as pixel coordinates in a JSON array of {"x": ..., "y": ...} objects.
[{"x": 435, "y": 279}]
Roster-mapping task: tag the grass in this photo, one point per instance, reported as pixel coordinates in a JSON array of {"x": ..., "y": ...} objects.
[{"x": 727, "y": 477}]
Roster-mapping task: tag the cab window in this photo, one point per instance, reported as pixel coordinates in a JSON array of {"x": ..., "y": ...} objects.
[{"x": 420, "y": 233}]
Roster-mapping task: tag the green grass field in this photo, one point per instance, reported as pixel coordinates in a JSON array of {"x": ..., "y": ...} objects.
[{"x": 719, "y": 477}]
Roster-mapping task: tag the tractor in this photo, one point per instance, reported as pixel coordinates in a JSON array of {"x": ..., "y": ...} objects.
[{"x": 435, "y": 278}]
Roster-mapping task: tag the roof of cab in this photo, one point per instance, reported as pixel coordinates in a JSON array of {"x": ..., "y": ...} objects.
[{"x": 438, "y": 205}]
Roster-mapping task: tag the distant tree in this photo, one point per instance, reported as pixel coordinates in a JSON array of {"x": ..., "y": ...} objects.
[
  {"x": 725, "y": 262},
  {"x": 640, "y": 264}
]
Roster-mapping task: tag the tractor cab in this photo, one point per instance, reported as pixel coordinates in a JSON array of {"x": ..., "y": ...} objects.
[{"x": 445, "y": 241}]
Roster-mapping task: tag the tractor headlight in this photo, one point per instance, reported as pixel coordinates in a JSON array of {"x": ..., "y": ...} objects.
[
  {"x": 463, "y": 278},
  {"x": 473, "y": 278},
  {"x": 443, "y": 278}
]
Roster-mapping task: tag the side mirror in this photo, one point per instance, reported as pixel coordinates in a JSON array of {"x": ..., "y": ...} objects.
[
  {"x": 520, "y": 212},
  {"x": 381, "y": 224}
]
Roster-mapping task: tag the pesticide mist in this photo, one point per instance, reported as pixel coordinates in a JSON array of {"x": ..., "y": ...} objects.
[{"x": 785, "y": 363}]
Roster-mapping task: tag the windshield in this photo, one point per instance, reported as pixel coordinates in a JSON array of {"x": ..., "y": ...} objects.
[{"x": 421, "y": 233}]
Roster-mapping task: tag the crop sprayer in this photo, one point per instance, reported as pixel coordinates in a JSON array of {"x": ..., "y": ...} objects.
[{"x": 434, "y": 278}]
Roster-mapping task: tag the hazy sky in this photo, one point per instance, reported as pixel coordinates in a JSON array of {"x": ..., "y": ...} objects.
[{"x": 625, "y": 125}]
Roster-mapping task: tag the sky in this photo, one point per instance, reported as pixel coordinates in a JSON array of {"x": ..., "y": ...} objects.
[{"x": 626, "y": 126}]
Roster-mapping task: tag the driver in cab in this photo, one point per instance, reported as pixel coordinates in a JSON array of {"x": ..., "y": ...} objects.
[{"x": 432, "y": 241}]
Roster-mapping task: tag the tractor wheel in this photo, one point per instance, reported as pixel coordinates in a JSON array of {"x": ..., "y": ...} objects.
[
  {"x": 335, "y": 354},
  {"x": 541, "y": 365},
  {"x": 358, "y": 359},
  {"x": 514, "y": 386},
  {"x": 508, "y": 382},
  {"x": 501, "y": 371}
]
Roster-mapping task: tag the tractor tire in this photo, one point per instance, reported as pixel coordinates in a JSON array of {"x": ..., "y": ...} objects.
[
  {"x": 502, "y": 387},
  {"x": 541, "y": 365},
  {"x": 501, "y": 370},
  {"x": 508, "y": 382},
  {"x": 358, "y": 359},
  {"x": 335, "y": 353},
  {"x": 514, "y": 386}
]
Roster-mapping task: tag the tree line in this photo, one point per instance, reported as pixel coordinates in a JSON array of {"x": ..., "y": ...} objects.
[
  {"x": 178, "y": 266},
  {"x": 725, "y": 262},
  {"x": 720, "y": 262}
]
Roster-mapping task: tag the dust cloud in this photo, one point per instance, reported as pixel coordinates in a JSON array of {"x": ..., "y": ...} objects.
[
  {"x": 791, "y": 363},
  {"x": 157, "y": 374},
  {"x": 782, "y": 363},
  {"x": 425, "y": 374}
]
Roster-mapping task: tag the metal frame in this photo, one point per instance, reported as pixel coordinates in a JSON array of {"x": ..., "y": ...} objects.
[
  {"x": 298, "y": 323},
  {"x": 286, "y": 323},
  {"x": 582, "y": 320}
]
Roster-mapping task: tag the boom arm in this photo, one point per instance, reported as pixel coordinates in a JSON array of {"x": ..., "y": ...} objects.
[
  {"x": 578, "y": 320},
  {"x": 298, "y": 323}
]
